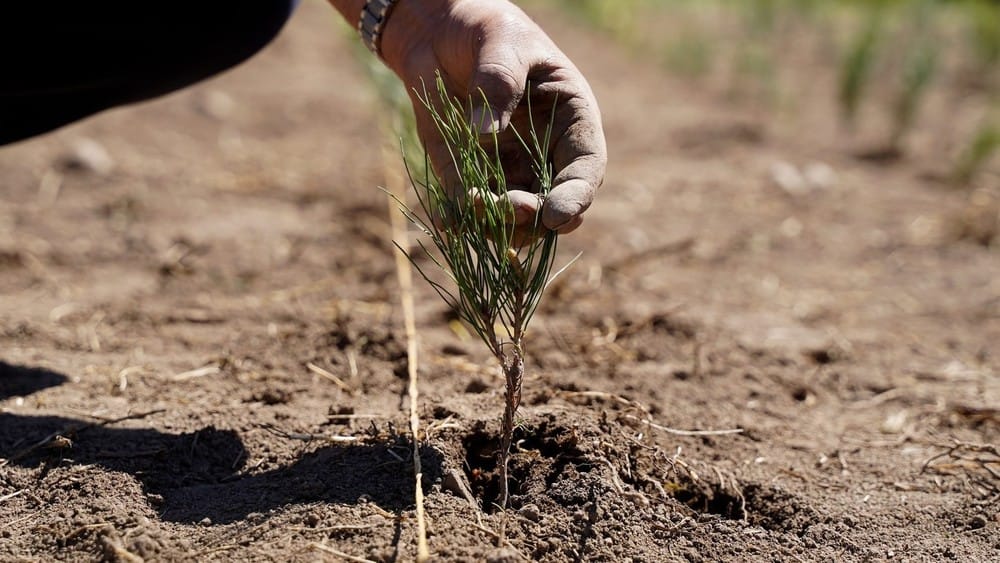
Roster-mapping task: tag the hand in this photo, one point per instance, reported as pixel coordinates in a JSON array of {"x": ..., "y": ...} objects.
[{"x": 492, "y": 46}]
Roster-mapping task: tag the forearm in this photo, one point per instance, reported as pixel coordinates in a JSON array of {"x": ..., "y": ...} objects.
[{"x": 350, "y": 9}]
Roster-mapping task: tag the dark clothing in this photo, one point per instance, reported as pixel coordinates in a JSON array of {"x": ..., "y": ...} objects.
[{"x": 61, "y": 61}]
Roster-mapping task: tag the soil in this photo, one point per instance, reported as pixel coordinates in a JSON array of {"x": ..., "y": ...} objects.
[{"x": 202, "y": 355}]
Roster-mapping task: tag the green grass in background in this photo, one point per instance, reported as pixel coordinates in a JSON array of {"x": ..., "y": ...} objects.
[{"x": 885, "y": 57}]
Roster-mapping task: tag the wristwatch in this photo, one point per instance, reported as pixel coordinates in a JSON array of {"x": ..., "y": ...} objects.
[{"x": 372, "y": 22}]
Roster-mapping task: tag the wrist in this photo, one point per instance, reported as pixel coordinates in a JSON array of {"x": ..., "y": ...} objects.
[
  {"x": 412, "y": 22},
  {"x": 350, "y": 9}
]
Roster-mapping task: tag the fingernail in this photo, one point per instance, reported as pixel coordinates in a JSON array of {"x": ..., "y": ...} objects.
[{"x": 483, "y": 121}]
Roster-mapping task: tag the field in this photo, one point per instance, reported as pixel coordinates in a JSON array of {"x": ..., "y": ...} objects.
[{"x": 780, "y": 342}]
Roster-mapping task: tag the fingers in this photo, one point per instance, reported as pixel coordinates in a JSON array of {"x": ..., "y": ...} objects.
[
  {"x": 566, "y": 203},
  {"x": 580, "y": 158},
  {"x": 502, "y": 59},
  {"x": 497, "y": 84},
  {"x": 518, "y": 209},
  {"x": 525, "y": 207}
]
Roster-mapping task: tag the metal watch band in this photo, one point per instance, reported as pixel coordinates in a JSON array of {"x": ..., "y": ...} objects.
[{"x": 372, "y": 22}]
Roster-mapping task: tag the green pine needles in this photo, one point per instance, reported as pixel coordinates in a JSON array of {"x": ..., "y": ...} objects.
[{"x": 497, "y": 275}]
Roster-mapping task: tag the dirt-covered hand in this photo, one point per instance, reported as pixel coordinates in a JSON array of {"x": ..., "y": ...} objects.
[{"x": 493, "y": 47}]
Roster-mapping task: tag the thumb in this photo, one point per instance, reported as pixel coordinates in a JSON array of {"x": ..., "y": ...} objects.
[
  {"x": 496, "y": 88},
  {"x": 566, "y": 203}
]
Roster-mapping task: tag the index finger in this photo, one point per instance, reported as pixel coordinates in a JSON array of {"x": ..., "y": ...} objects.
[{"x": 579, "y": 152}]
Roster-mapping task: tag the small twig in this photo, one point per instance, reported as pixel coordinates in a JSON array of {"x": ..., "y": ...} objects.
[
  {"x": 981, "y": 463},
  {"x": 326, "y": 374},
  {"x": 878, "y": 399},
  {"x": 496, "y": 536},
  {"x": 603, "y": 395},
  {"x": 85, "y": 528},
  {"x": 327, "y": 549},
  {"x": 679, "y": 432},
  {"x": 385, "y": 513},
  {"x": 957, "y": 448},
  {"x": 352, "y": 364},
  {"x": 356, "y": 416},
  {"x": 196, "y": 373},
  {"x": 19, "y": 520},
  {"x": 647, "y": 421},
  {"x": 615, "y": 481},
  {"x": 136, "y": 416},
  {"x": 73, "y": 429},
  {"x": 344, "y": 528},
  {"x": 11, "y": 495},
  {"x": 485, "y": 530},
  {"x": 306, "y": 437}
]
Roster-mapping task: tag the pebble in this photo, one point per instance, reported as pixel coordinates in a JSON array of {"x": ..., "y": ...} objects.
[
  {"x": 530, "y": 512},
  {"x": 216, "y": 104},
  {"x": 87, "y": 155},
  {"x": 814, "y": 177}
]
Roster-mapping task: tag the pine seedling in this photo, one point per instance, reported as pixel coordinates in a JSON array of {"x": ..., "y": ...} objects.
[{"x": 496, "y": 277}]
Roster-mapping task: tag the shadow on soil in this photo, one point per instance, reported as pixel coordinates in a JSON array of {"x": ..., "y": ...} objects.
[
  {"x": 197, "y": 475},
  {"x": 18, "y": 381}
]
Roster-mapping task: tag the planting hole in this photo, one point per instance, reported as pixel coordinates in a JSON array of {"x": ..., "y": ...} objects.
[{"x": 541, "y": 455}]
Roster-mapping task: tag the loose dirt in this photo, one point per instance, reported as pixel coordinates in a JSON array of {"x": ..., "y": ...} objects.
[{"x": 158, "y": 321}]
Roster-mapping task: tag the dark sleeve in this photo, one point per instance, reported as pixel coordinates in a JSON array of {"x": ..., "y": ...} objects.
[{"x": 63, "y": 61}]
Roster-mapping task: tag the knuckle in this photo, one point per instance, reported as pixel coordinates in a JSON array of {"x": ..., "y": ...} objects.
[{"x": 500, "y": 75}]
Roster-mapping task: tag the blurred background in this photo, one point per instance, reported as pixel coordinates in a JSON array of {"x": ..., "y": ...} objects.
[{"x": 898, "y": 77}]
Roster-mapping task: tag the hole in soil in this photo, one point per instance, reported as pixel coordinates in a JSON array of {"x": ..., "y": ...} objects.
[
  {"x": 477, "y": 386},
  {"x": 801, "y": 394},
  {"x": 766, "y": 507},
  {"x": 822, "y": 357},
  {"x": 713, "y": 501},
  {"x": 541, "y": 452},
  {"x": 441, "y": 413}
]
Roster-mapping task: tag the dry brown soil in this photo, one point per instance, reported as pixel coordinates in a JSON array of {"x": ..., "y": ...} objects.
[{"x": 158, "y": 320}]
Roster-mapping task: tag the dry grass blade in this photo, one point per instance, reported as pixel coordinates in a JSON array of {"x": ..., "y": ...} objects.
[
  {"x": 306, "y": 437},
  {"x": 679, "y": 432},
  {"x": 329, "y": 376},
  {"x": 331, "y": 551},
  {"x": 646, "y": 420},
  {"x": 15, "y": 494},
  {"x": 196, "y": 373},
  {"x": 981, "y": 461},
  {"x": 397, "y": 122},
  {"x": 397, "y": 187}
]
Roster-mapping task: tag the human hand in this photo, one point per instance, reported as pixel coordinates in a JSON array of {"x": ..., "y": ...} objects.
[{"x": 493, "y": 47}]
